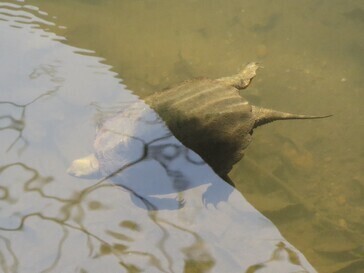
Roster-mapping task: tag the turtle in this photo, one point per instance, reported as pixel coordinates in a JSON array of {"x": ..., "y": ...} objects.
[
  {"x": 211, "y": 117},
  {"x": 208, "y": 116}
]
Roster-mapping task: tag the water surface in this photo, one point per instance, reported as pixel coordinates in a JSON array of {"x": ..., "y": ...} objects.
[{"x": 305, "y": 176}]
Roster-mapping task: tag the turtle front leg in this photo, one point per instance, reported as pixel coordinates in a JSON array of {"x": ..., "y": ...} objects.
[{"x": 243, "y": 78}]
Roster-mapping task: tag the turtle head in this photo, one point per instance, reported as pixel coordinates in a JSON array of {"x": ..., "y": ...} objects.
[
  {"x": 85, "y": 167},
  {"x": 263, "y": 116}
]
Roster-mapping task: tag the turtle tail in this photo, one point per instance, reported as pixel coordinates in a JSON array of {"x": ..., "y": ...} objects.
[{"x": 263, "y": 116}]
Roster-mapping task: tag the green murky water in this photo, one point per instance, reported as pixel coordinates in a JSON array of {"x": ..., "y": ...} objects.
[{"x": 305, "y": 176}]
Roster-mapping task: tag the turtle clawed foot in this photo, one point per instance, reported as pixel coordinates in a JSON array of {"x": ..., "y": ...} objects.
[
  {"x": 243, "y": 78},
  {"x": 216, "y": 193},
  {"x": 207, "y": 202}
]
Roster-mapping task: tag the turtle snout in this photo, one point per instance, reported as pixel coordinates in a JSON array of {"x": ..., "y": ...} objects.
[{"x": 86, "y": 167}]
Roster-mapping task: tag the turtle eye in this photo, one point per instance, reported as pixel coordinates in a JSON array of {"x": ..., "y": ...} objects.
[
  {"x": 193, "y": 157},
  {"x": 170, "y": 152},
  {"x": 164, "y": 153}
]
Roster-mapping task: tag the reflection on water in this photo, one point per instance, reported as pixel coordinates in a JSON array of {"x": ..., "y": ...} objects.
[
  {"x": 307, "y": 178},
  {"x": 165, "y": 210},
  {"x": 17, "y": 124}
]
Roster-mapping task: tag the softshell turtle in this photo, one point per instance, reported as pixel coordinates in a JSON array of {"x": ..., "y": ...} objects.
[{"x": 209, "y": 116}]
